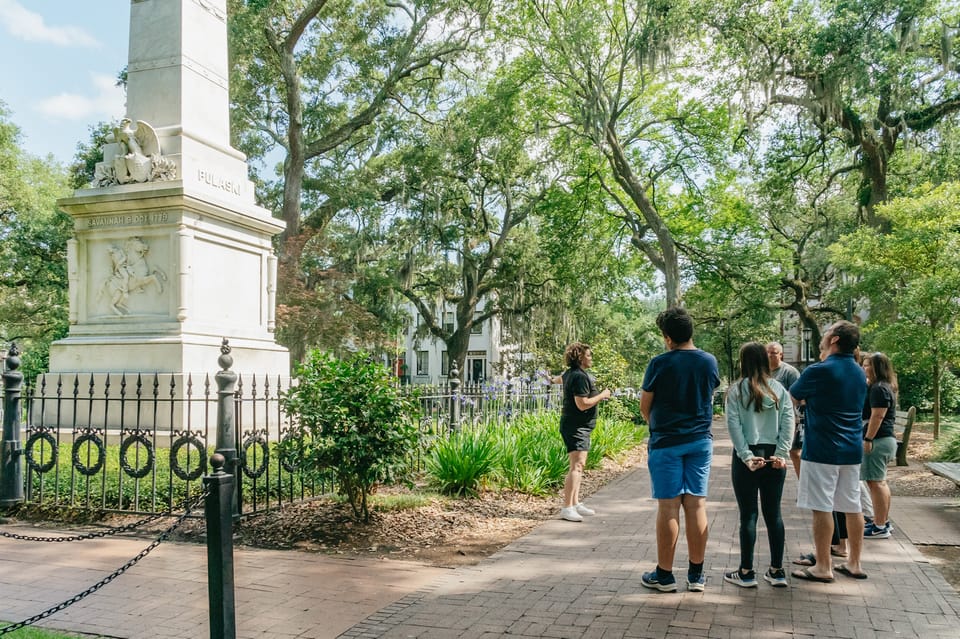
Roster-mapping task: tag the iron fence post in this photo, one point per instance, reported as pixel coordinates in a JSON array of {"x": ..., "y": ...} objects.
[
  {"x": 218, "y": 512},
  {"x": 226, "y": 421},
  {"x": 11, "y": 450},
  {"x": 454, "y": 380}
]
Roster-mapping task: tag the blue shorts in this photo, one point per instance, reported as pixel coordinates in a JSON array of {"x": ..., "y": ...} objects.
[{"x": 682, "y": 469}]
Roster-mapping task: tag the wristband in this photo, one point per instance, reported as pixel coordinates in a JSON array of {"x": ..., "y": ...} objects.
[{"x": 868, "y": 439}]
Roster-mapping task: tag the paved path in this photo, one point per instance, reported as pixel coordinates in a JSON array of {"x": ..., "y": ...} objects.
[{"x": 532, "y": 588}]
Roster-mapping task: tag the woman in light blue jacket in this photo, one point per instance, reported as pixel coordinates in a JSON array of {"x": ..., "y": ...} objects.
[{"x": 759, "y": 416}]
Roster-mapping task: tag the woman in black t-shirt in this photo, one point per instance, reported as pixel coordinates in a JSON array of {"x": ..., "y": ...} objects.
[
  {"x": 879, "y": 441},
  {"x": 578, "y": 417}
]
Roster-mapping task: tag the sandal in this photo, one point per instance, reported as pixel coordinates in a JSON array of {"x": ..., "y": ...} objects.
[
  {"x": 806, "y": 575},
  {"x": 806, "y": 560},
  {"x": 837, "y": 553}
]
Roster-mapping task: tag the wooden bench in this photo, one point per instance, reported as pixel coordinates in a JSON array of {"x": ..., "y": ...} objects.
[
  {"x": 950, "y": 470},
  {"x": 901, "y": 429}
]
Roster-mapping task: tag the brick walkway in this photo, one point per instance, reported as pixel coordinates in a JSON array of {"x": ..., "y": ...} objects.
[
  {"x": 583, "y": 580},
  {"x": 529, "y": 589}
]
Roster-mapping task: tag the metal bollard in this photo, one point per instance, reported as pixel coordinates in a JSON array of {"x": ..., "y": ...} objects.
[
  {"x": 218, "y": 511},
  {"x": 226, "y": 421},
  {"x": 11, "y": 450},
  {"x": 454, "y": 381}
]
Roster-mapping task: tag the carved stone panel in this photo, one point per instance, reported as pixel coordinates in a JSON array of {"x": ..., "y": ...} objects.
[{"x": 129, "y": 276}]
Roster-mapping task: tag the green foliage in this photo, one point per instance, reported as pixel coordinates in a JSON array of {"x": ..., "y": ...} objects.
[
  {"x": 461, "y": 462},
  {"x": 948, "y": 448},
  {"x": 916, "y": 387},
  {"x": 33, "y": 241},
  {"x": 526, "y": 454},
  {"x": 357, "y": 422},
  {"x": 111, "y": 489},
  {"x": 911, "y": 276},
  {"x": 30, "y": 632}
]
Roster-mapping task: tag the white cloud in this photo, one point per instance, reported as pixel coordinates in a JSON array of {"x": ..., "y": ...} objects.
[
  {"x": 108, "y": 101},
  {"x": 24, "y": 24}
]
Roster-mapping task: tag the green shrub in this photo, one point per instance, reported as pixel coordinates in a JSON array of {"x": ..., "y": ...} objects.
[
  {"x": 357, "y": 422},
  {"x": 948, "y": 448},
  {"x": 461, "y": 462}
]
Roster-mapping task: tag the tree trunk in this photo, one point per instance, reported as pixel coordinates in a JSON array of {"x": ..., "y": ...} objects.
[{"x": 936, "y": 398}]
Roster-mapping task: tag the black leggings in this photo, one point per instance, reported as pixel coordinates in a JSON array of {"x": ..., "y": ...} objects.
[{"x": 768, "y": 483}]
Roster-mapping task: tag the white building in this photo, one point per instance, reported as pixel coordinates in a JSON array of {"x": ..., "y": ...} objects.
[{"x": 425, "y": 359}]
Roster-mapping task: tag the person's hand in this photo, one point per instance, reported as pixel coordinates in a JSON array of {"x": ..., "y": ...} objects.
[
  {"x": 606, "y": 393},
  {"x": 755, "y": 463},
  {"x": 778, "y": 462},
  {"x": 867, "y": 446}
]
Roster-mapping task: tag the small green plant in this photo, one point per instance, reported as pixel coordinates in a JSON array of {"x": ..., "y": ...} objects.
[
  {"x": 460, "y": 463},
  {"x": 948, "y": 448},
  {"x": 41, "y": 633},
  {"x": 357, "y": 422}
]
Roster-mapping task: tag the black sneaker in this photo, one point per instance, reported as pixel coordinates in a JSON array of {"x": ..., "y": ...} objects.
[
  {"x": 743, "y": 579},
  {"x": 777, "y": 577},
  {"x": 663, "y": 584}
]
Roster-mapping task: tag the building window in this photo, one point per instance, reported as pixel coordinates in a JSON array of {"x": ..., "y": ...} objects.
[
  {"x": 477, "y": 328},
  {"x": 423, "y": 362},
  {"x": 448, "y": 322},
  {"x": 444, "y": 363}
]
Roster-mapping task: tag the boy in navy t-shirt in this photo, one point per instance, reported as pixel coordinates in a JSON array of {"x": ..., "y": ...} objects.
[{"x": 677, "y": 403}]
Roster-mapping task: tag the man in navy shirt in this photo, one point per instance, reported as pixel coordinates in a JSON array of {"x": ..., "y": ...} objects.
[
  {"x": 677, "y": 403},
  {"x": 834, "y": 391}
]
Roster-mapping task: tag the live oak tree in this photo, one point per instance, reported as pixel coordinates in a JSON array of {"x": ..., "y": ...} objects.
[
  {"x": 462, "y": 235},
  {"x": 621, "y": 77},
  {"x": 33, "y": 239},
  {"x": 320, "y": 81},
  {"x": 912, "y": 276},
  {"x": 871, "y": 75}
]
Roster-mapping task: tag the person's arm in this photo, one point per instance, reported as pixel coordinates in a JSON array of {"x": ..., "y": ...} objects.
[
  {"x": 552, "y": 379},
  {"x": 585, "y": 403},
  {"x": 786, "y": 427},
  {"x": 735, "y": 426},
  {"x": 877, "y": 413},
  {"x": 646, "y": 403}
]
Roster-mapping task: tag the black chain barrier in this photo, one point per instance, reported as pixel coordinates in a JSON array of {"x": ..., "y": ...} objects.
[{"x": 116, "y": 573}]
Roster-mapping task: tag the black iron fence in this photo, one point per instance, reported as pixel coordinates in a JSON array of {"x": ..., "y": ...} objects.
[{"x": 139, "y": 443}]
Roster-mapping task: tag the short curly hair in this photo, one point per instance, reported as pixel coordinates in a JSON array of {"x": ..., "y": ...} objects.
[{"x": 574, "y": 354}]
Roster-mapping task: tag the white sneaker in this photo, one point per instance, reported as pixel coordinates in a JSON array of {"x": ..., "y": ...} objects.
[
  {"x": 570, "y": 514},
  {"x": 583, "y": 510}
]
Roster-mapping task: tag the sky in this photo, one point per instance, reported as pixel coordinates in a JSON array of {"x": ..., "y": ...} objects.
[{"x": 59, "y": 61}]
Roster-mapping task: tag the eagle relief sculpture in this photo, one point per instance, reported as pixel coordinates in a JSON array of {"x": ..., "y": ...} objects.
[
  {"x": 132, "y": 155},
  {"x": 130, "y": 274}
]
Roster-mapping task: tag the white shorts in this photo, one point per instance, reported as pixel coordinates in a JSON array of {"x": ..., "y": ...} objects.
[{"x": 828, "y": 487}]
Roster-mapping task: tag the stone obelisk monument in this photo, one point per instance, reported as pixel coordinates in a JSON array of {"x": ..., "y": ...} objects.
[{"x": 170, "y": 252}]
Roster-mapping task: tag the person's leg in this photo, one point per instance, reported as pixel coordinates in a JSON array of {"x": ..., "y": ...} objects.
[
  {"x": 880, "y": 493},
  {"x": 571, "y": 484},
  {"x": 838, "y": 542},
  {"x": 855, "y": 528},
  {"x": 815, "y": 492},
  {"x": 695, "y": 522},
  {"x": 795, "y": 458},
  {"x": 668, "y": 530},
  {"x": 771, "y": 492},
  {"x": 848, "y": 501},
  {"x": 745, "y": 489},
  {"x": 866, "y": 500},
  {"x": 696, "y": 460},
  {"x": 822, "y": 531},
  {"x": 666, "y": 482}
]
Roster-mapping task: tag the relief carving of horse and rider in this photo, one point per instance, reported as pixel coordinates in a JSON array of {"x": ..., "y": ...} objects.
[{"x": 131, "y": 274}]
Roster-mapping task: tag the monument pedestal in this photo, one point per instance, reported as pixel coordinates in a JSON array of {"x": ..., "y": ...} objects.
[{"x": 160, "y": 273}]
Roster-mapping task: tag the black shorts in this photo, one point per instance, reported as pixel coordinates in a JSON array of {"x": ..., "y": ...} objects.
[{"x": 576, "y": 438}]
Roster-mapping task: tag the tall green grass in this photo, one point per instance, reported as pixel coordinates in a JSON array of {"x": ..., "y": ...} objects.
[
  {"x": 525, "y": 454},
  {"x": 948, "y": 448}
]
